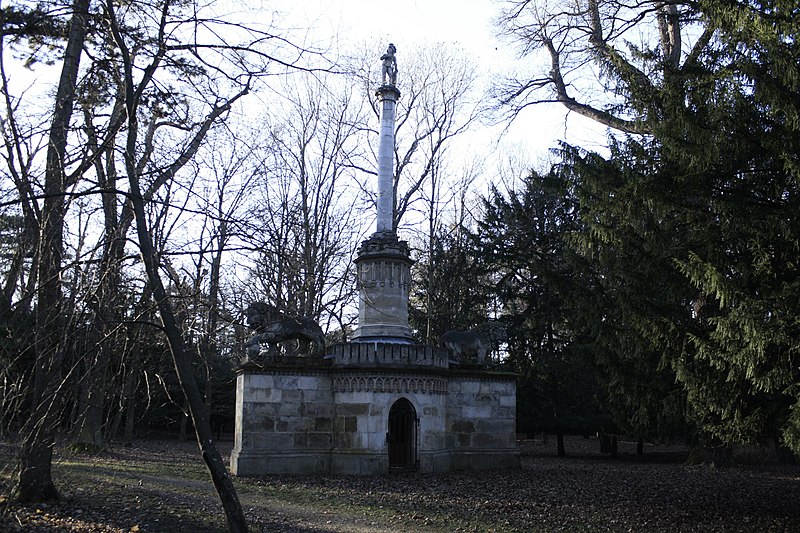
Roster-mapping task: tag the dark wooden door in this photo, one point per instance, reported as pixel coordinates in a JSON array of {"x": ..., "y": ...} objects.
[{"x": 402, "y": 436}]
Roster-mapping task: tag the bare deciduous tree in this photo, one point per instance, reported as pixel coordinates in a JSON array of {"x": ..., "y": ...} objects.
[
  {"x": 34, "y": 480},
  {"x": 181, "y": 355},
  {"x": 598, "y": 53},
  {"x": 159, "y": 77},
  {"x": 307, "y": 223}
]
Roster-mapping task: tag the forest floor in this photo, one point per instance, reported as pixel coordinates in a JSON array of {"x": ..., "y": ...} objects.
[{"x": 162, "y": 486}]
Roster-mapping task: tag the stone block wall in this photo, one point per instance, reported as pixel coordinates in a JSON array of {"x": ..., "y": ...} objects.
[
  {"x": 305, "y": 419},
  {"x": 361, "y": 415},
  {"x": 481, "y": 421},
  {"x": 359, "y": 434},
  {"x": 284, "y": 422}
]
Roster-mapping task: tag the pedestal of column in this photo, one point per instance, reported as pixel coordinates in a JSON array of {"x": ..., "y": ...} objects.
[{"x": 384, "y": 278}]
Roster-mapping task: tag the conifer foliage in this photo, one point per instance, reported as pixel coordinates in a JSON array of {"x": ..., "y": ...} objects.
[
  {"x": 538, "y": 282},
  {"x": 743, "y": 371},
  {"x": 690, "y": 224}
]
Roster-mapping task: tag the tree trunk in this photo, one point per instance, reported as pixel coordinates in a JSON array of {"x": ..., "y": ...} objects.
[
  {"x": 108, "y": 312},
  {"x": 130, "y": 365},
  {"x": 722, "y": 455},
  {"x": 88, "y": 434},
  {"x": 34, "y": 479},
  {"x": 208, "y": 344},
  {"x": 184, "y": 425},
  {"x": 104, "y": 332},
  {"x": 182, "y": 359},
  {"x": 562, "y": 452},
  {"x": 181, "y": 355},
  {"x": 608, "y": 444},
  {"x": 130, "y": 419}
]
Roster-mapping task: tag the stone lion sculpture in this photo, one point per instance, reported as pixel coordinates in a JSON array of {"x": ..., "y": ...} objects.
[
  {"x": 272, "y": 327},
  {"x": 473, "y": 345}
]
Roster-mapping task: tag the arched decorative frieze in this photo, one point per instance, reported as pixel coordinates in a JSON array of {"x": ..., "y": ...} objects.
[{"x": 393, "y": 384}]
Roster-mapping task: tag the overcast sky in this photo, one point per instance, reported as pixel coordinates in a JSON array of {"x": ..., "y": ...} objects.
[
  {"x": 465, "y": 22},
  {"x": 468, "y": 24}
]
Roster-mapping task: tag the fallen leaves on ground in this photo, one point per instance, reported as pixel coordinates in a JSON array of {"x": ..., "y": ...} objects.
[{"x": 162, "y": 486}]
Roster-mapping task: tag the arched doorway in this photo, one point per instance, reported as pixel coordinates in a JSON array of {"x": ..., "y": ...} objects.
[{"x": 402, "y": 436}]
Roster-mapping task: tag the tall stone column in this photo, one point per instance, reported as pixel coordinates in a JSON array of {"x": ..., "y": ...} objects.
[
  {"x": 388, "y": 95},
  {"x": 384, "y": 261}
]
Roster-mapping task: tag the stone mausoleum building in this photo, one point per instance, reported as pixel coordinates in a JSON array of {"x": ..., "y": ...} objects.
[{"x": 380, "y": 402}]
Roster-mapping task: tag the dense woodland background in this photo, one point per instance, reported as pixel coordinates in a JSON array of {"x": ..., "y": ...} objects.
[{"x": 187, "y": 162}]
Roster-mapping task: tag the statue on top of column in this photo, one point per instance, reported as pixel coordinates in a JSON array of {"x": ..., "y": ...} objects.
[{"x": 389, "y": 69}]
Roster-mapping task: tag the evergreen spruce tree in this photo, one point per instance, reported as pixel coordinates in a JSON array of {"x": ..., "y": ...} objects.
[
  {"x": 449, "y": 290},
  {"x": 692, "y": 221},
  {"x": 523, "y": 243},
  {"x": 742, "y": 372}
]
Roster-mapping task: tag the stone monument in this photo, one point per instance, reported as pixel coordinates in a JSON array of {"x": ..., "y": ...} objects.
[
  {"x": 384, "y": 261},
  {"x": 381, "y": 402}
]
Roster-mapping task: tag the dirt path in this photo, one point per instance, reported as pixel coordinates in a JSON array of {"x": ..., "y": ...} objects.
[
  {"x": 274, "y": 514},
  {"x": 124, "y": 500}
]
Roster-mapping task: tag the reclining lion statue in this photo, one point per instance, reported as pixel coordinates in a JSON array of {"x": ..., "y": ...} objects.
[
  {"x": 272, "y": 327},
  {"x": 473, "y": 345}
]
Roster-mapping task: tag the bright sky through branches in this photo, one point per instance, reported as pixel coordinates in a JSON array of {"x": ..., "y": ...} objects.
[{"x": 465, "y": 24}]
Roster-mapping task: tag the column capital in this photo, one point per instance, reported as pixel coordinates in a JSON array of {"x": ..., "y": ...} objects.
[
  {"x": 388, "y": 92},
  {"x": 384, "y": 244}
]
